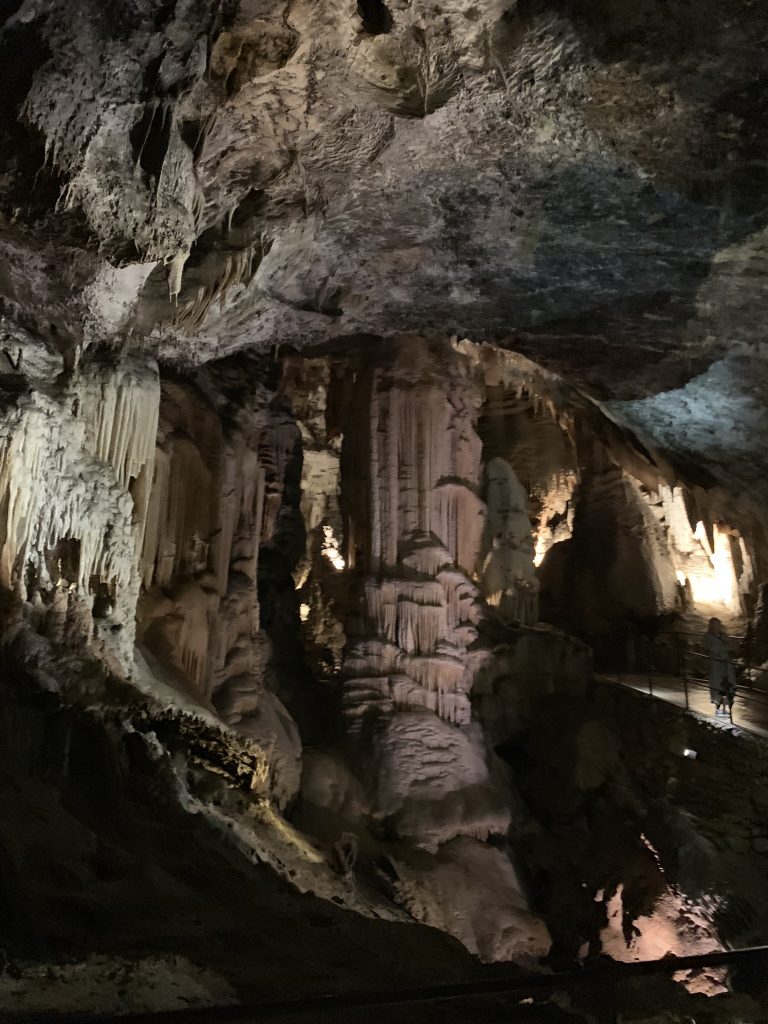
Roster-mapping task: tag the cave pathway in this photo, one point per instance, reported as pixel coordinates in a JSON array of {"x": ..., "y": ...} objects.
[{"x": 750, "y": 709}]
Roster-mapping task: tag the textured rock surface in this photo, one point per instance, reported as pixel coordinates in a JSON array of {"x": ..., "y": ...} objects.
[
  {"x": 415, "y": 529},
  {"x": 585, "y": 174},
  {"x": 264, "y": 512}
]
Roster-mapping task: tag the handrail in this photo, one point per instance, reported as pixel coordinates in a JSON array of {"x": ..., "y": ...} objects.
[
  {"x": 691, "y": 632},
  {"x": 665, "y": 656},
  {"x": 749, "y": 695},
  {"x": 610, "y": 972},
  {"x": 653, "y": 637}
]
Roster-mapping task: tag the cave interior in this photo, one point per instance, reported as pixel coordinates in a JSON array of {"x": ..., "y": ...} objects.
[{"x": 383, "y": 405}]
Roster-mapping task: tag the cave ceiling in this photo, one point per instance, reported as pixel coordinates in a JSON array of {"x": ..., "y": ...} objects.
[{"x": 583, "y": 181}]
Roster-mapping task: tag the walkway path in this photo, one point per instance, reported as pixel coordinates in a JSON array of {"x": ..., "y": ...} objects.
[{"x": 750, "y": 710}]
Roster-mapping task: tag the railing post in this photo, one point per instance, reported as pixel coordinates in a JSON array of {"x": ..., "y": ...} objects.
[{"x": 682, "y": 674}]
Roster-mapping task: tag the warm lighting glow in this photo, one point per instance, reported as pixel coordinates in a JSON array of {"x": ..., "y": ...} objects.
[
  {"x": 540, "y": 549},
  {"x": 716, "y": 583},
  {"x": 703, "y": 559},
  {"x": 330, "y": 549},
  {"x": 304, "y": 612}
]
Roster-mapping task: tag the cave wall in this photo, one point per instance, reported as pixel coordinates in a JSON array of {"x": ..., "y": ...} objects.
[
  {"x": 615, "y": 568},
  {"x": 133, "y": 511},
  {"x": 216, "y": 500},
  {"x": 625, "y": 535},
  {"x": 339, "y": 553},
  {"x": 250, "y": 472},
  {"x": 78, "y": 458},
  {"x": 688, "y": 832}
]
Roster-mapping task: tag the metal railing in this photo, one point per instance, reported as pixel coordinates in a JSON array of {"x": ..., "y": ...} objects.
[
  {"x": 604, "y": 978},
  {"x": 650, "y": 661}
]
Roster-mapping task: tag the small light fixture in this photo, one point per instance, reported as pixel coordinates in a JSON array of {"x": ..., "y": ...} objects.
[{"x": 690, "y": 753}]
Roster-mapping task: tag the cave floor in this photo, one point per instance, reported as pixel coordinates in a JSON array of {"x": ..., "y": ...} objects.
[
  {"x": 179, "y": 891},
  {"x": 595, "y": 999},
  {"x": 98, "y": 860}
]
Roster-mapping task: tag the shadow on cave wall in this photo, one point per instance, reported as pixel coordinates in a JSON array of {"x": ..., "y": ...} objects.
[
  {"x": 288, "y": 672},
  {"x": 97, "y": 856}
]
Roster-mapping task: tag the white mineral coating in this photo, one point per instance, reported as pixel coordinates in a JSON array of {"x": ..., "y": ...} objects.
[
  {"x": 432, "y": 781},
  {"x": 69, "y": 464},
  {"x": 111, "y": 301},
  {"x": 472, "y": 891}
]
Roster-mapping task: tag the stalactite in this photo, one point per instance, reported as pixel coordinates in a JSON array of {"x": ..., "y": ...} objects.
[{"x": 67, "y": 478}]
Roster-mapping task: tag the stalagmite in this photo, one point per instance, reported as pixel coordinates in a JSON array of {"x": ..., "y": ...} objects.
[{"x": 383, "y": 389}]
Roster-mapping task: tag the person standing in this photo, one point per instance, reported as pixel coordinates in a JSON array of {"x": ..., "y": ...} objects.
[{"x": 722, "y": 675}]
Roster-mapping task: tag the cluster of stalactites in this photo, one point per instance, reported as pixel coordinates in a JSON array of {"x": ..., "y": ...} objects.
[
  {"x": 74, "y": 473},
  {"x": 425, "y": 458},
  {"x": 508, "y": 577},
  {"x": 416, "y": 650},
  {"x": 522, "y": 380},
  {"x": 711, "y": 561},
  {"x": 557, "y": 513},
  {"x": 214, "y": 500}
]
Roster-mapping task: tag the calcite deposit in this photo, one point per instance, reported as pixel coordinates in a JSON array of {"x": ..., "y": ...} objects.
[{"x": 363, "y": 366}]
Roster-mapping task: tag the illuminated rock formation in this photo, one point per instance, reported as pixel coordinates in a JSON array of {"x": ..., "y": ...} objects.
[
  {"x": 77, "y": 465},
  {"x": 350, "y": 353},
  {"x": 215, "y": 499},
  {"x": 508, "y": 577},
  {"x": 415, "y": 534}
]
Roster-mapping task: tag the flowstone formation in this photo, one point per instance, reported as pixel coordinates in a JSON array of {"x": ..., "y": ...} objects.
[{"x": 415, "y": 530}]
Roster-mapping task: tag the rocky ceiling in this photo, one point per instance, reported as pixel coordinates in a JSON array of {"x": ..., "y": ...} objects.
[{"x": 581, "y": 180}]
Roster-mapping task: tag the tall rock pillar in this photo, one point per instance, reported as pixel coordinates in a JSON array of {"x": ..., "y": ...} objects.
[{"x": 414, "y": 523}]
